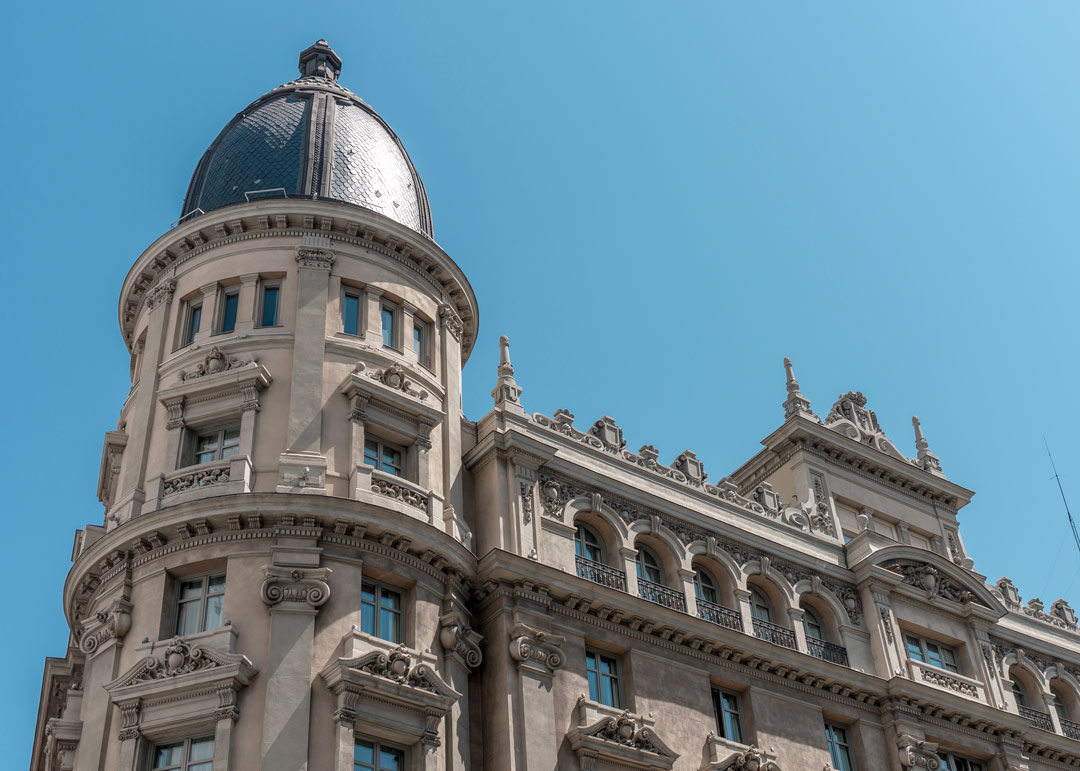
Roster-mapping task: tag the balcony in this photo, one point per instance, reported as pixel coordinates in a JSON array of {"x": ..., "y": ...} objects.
[
  {"x": 601, "y": 574},
  {"x": 1037, "y": 719},
  {"x": 661, "y": 595},
  {"x": 826, "y": 651},
  {"x": 719, "y": 615},
  {"x": 777, "y": 635},
  {"x": 1070, "y": 729}
]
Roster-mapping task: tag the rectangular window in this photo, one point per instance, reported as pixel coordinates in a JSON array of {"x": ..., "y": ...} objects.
[
  {"x": 388, "y": 326},
  {"x": 932, "y": 653},
  {"x": 230, "y": 302},
  {"x": 200, "y": 604},
  {"x": 376, "y": 756},
  {"x": 839, "y": 749},
  {"x": 384, "y": 457},
  {"x": 271, "y": 299},
  {"x": 350, "y": 313},
  {"x": 726, "y": 708},
  {"x": 209, "y": 446},
  {"x": 957, "y": 763},
  {"x": 380, "y": 612},
  {"x": 419, "y": 342},
  {"x": 188, "y": 755},
  {"x": 603, "y": 675},
  {"x": 192, "y": 321}
]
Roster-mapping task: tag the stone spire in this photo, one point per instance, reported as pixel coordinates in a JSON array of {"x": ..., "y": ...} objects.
[
  {"x": 926, "y": 459},
  {"x": 796, "y": 403},
  {"x": 507, "y": 393}
]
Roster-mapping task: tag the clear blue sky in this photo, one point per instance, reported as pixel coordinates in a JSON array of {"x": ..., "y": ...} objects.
[{"x": 656, "y": 201}]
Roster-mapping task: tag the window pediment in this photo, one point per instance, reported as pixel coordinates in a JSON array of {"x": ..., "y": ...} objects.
[
  {"x": 240, "y": 385},
  {"x": 935, "y": 576},
  {"x": 388, "y": 397},
  {"x": 607, "y": 738}
]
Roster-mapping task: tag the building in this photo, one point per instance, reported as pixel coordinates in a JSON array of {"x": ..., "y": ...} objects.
[{"x": 309, "y": 559}]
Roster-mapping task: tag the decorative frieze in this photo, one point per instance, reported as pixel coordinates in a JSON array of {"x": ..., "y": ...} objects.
[
  {"x": 399, "y": 492},
  {"x": 930, "y": 579},
  {"x": 296, "y": 588},
  {"x": 451, "y": 321},
  {"x": 214, "y": 362},
  {"x": 161, "y": 294},
  {"x": 947, "y": 681},
  {"x": 178, "y": 482}
]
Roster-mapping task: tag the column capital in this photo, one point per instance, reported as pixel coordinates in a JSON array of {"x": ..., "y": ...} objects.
[
  {"x": 302, "y": 590},
  {"x": 535, "y": 650},
  {"x": 320, "y": 259},
  {"x": 459, "y": 641},
  {"x": 160, "y": 295}
]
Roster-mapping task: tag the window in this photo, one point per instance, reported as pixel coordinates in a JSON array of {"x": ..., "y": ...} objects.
[
  {"x": 839, "y": 749},
  {"x": 350, "y": 312},
  {"x": 419, "y": 342},
  {"x": 388, "y": 336},
  {"x": 932, "y": 653},
  {"x": 957, "y": 763},
  {"x": 1058, "y": 704},
  {"x": 587, "y": 544},
  {"x": 188, "y": 755},
  {"x": 726, "y": 708},
  {"x": 230, "y": 302},
  {"x": 384, "y": 457},
  {"x": 199, "y": 606},
  {"x": 705, "y": 587},
  {"x": 1019, "y": 694},
  {"x": 603, "y": 674},
  {"x": 375, "y": 756},
  {"x": 648, "y": 566},
  {"x": 812, "y": 624},
  {"x": 268, "y": 304},
  {"x": 760, "y": 607},
  {"x": 380, "y": 612},
  {"x": 209, "y": 446},
  {"x": 192, "y": 319}
]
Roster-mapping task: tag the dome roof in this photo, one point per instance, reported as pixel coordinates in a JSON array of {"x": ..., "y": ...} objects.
[{"x": 314, "y": 138}]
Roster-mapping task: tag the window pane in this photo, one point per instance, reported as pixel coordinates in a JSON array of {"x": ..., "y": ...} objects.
[
  {"x": 367, "y": 609},
  {"x": 594, "y": 686},
  {"x": 228, "y": 313},
  {"x": 371, "y": 452},
  {"x": 270, "y": 306},
  {"x": 202, "y": 749},
  {"x": 914, "y": 648},
  {"x": 351, "y": 315},
  {"x": 389, "y": 626},
  {"x": 194, "y": 319},
  {"x": 191, "y": 590},
  {"x": 417, "y": 338},
  {"x": 214, "y": 605},
  {"x": 187, "y": 617},
  {"x": 364, "y": 753},
  {"x": 168, "y": 756},
  {"x": 216, "y": 584},
  {"x": 948, "y": 659},
  {"x": 388, "y": 327},
  {"x": 608, "y": 693},
  {"x": 390, "y": 760}
]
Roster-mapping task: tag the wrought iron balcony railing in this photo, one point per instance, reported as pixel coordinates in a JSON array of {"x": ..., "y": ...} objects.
[
  {"x": 826, "y": 651},
  {"x": 661, "y": 595},
  {"x": 1037, "y": 719},
  {"x": 718, "y": 614},
  {"x": 777, "y": 635},
  {"x": 1070, "y": 729},
  {"x": 601, "y": 574}
]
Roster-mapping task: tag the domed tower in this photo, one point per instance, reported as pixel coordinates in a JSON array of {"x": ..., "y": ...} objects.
[{"x": 278, "y": 582}]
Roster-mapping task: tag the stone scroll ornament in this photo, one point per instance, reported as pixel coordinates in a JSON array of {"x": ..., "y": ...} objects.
[
  {"x": 295, "y": 588},
  {"x": 752, "y": 760},
  {"x": 918, "y": 754}
]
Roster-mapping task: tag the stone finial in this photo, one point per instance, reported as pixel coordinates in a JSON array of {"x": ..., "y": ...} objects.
[
  {"x": 796, "y": 403},
  {"x": 321, "y": 61},
  {"x": 926, "y": 459},
  {"x": 507, "y": 393}
]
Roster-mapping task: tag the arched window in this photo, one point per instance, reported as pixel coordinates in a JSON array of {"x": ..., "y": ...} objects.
[
  {"x": 1059, "y": 705},
  {"x": 648, "y": 566},
  {"x": 587, "y": 544},
  {"x": 812, "y": 623},
  {"x": 760, "y": 607},
  {"x": 705, "y": 586},
  {"x": 1019, "y": 694}
]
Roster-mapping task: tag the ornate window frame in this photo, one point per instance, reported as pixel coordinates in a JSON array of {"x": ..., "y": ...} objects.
[
  {"x": 223, "y": 388},
  {"x": 607, "y": 738}
]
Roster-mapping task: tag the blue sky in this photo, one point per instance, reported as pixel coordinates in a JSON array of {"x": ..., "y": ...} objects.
[{"x": 657, "y": 202}]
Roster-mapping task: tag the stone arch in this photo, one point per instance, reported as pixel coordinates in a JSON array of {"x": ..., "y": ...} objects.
[
  {"x": 760, "y": 574},
  {"x": 1065, "y": 688},
  {"x": 827, "y": 606},
  {"x": 605, "y": 523},
  {"x": 956, "y": 574},
  {"x": 1019, "y": 668},
  {"x": 670, "y": 561},
  {"x": 724, "y": 570}
]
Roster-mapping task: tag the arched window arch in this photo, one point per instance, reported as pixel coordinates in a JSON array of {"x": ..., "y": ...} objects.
[
  {"x": 587, "y": 544},
  {"x": 760, "y": 606},
  {"x": 649, "y": 567},
  {"x": 705, "y": 586}
]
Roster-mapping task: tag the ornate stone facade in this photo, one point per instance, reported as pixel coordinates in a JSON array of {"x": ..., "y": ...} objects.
[{"x": 306, "y": 549}]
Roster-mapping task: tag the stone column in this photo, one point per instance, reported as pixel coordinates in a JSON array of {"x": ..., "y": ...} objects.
[
  {"x": 208, "y": 319},
  {"x": 140, "y": 420},
  {"x": 629, "y": 566},
  {"x": 886, "y": 645},
  {"x": 373, "y": 315},
  {"x": 450, "y": 347},
  {"x": 742, "y": 599},
  {"x": 538, "y": 655},
  {"x": 303, "y": 466},
  {"x": 226, "y": 717},
  {"x": 294, "y": 588},
  {"x": 246, "y": 303},
  {"x": 461, "y": 654}
]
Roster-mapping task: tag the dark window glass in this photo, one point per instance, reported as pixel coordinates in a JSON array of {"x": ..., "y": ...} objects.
[
  {"x": 191, "y": 325},
  {"x": 188, "y": 755},
  {"x": 380, "y": 612},
  {"x": 705, "y": 587},
  {"x": 759, "y": 606},
  {"x": 726, "y": 707},
  {"x": 228, "y": 312},
  {"x": 270, "y": 306},
  {"x": 603, "y": 676},
  {"x": 388, "y": 326},
  {"x": 373, "y": 756},
  {"x": 587, "y": 544},
  {"x": 351, "y": 314},
  {"x": 383, "y": 457},
  {"x": 648, "y": 566},
  {"x": 812, "y": 624},
  {"x": 199, "y": 604}
]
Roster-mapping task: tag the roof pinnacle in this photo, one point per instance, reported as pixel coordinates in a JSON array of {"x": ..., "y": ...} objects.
[
  {"x": 320, "y": 60},
  {"x": 926, "y": 459},
  {"x": 796, "y": 403},
  {"x": 507, "y": 392}
]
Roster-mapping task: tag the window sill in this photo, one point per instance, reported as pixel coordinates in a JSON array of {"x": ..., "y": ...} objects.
[{"x": 946, "y": 680}]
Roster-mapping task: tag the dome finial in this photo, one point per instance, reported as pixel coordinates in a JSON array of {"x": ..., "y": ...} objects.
[{"x": 319, "y": 60}]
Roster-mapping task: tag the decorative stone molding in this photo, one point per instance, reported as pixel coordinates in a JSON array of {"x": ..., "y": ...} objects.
[
  {"x": 506, "y": 390},
  {"x": 322, "y": 259},
  {"x": 205, "y": 475},
  {"x": 692, "y": 468},
  {"x": 216, "y": 361},
  {"x": 459, "y": 641},
  {"x": 287, "y": 589},
  {"x": 394, "y": 377},
  {"x": 451, "y": 321},
  {"x": 796, "y": 403},
  {"x": 850, "y": 417},
  {"x": 161, "y": 294},
  {"x": 112, "y": 455},
  {"x": 819, "y": 513},
  {"x": 750, "y": 759},
  {"x": 111, "y": 624},
  {"x": 925, "y": 459},
  {"x": 536, "y": 650},
  {"x": 178, "y": 658},
  {"x": 948, "y": 681},
  {"x": 623, "y": 740},
  {"x": 609, "y": 434},
  {"x": 399, "y": 492},
  {"x": 930, "y": 579},
  {"x": 917, "y": 753}
]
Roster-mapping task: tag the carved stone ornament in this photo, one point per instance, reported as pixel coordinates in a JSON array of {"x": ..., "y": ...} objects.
[
  {"x": 216, "y": 361},
  {"x": 623, "y": 740},
  {"x": 850, "y": 417},
  {"x": 178, "y": 658},
  {"x": 451, "y": 321},
  {"x": 750, "y": 760},
  {"x": 394, "y": 377},
  {"x": 796, "y": 403},
  {"x": 609, "y": 434},
  {"x": 459, "y": 641},
  {"x": 536, "y": 650},
  {"x": 161, "y": 294},
  {"x": 111, "y": 624},
  {"x": 526, "y": 490},
  {"x": 295, "y": 588},
  {"x": 315, "y": 258},
  {"x": 916, "y": 753},
  {"x": 931, "y": 580},
  {"x": 398, "y": 666}
]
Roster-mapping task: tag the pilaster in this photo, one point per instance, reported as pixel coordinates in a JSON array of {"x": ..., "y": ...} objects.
[
  {"x": 537, "y": 654},
  {"x": 461, "y": 655}
]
